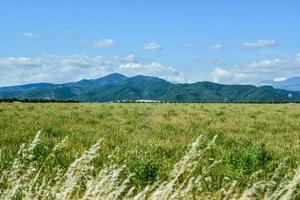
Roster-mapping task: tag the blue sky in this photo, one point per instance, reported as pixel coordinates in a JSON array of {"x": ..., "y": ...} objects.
[{"x": 182, "y": 41}]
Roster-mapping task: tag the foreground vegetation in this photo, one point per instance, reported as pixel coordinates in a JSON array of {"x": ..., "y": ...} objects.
[{"x": 143, "y": 150}]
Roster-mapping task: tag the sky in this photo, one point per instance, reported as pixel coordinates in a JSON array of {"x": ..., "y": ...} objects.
[{"x": 244, "y": 42}]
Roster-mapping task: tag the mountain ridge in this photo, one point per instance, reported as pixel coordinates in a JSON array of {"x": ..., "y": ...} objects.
[
  {"x": 117, "y": 87},
  {"x": 292, "y": 84}
]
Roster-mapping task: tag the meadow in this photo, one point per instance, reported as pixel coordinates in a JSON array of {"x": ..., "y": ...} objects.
[{"x": 149, "y": 151}]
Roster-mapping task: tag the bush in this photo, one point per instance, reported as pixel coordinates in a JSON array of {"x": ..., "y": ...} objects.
[
  {"x": 249, "y": 157},
  {"x": 146, "y": 173}
]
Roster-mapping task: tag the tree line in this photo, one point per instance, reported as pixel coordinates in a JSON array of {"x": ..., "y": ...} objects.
[{"x": 16, "y": 100}]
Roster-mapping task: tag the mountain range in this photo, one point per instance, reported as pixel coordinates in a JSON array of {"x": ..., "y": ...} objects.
[
  {"x": 117, "y": 87},
  {"x": 292, "y": 84}
]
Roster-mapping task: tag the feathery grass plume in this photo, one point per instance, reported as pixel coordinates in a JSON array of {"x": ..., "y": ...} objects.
[
  {"x": 253, "y": 191},
  {"x": 33, "y": 184},
  {"x": 23, "y": 168},
  {"x": 26, "y": 180},
  {"x": 107, "y": 185},
  {"x": 77, "y": 172},
  {"x": 285, "y": 188},
  {"x": 170, "y": 189},
  {"x": 229, "y": 193},
  {"x": 166, "y": 188},
  {"x": 288, "y": 190}
]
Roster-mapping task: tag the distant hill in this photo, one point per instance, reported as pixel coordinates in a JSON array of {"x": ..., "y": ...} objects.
[
  {"x": 117, "y": 87},
  {"x": 292, "y": 84}
]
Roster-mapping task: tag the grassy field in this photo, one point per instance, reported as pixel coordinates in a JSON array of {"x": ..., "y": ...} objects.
[{"x": 149, "y": 139}]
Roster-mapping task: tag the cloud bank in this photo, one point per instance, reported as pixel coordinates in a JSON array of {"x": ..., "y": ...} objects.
[
  {"x": 60, "y": 69},
  {"x": 257, "y": 71}
]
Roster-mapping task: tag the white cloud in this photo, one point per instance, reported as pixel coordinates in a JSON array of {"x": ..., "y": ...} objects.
[
  {"x": 103, "y": 43},
  {"x": 208, "y": 61},
  {"x": 259, "y": 44},
  {"x": 190, "y": 45},
  {"x": 298, "y": 57},
  {"x": 221, "y": 75},
  {"x": 51, "y": 68},
  {"x": 60, "y": 69},
  {"x": 152, "y": 46},
  {"x": 278, "y": 79},
  {"x": 257, "y": 71},
  {"x": 28, "y": 34},
  {"x": 152, "y": 69},
  {"x": 216, "y": 47},
  {"x": 268, "y": 63},
  {"x": 128, "y": 58}
]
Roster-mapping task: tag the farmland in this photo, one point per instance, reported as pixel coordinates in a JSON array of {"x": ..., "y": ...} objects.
[{"x": 149, "y": 139}]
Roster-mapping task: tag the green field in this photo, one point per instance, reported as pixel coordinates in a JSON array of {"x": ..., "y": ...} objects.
[{"x": 149, "y": 139}]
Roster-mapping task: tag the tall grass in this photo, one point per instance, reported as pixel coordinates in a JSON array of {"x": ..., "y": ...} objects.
[{"x": 26, "y": 178}]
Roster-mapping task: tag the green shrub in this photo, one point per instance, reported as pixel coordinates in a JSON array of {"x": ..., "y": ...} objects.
[
  {"x": 249, "y": 157},
  {"x": 146, "y": 173}
]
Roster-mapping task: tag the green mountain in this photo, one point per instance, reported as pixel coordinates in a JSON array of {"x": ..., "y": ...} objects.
[{"x": 117, "y": 87}]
